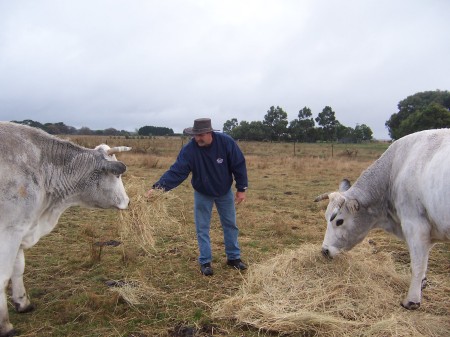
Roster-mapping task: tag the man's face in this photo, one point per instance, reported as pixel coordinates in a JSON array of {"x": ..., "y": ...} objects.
[{"x": 203, "y": 139}]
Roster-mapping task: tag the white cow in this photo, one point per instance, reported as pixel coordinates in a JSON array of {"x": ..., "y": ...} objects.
[
  {"x": 40, "y": 177},
  {"x": 404, "y": 192}
]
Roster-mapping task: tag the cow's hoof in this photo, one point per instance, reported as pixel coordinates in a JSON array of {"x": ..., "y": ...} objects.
[
  {"x": 10, "y": 333},
  {"x": 28, "y": 308},
  {"x": 424, "y": 283},
  {"x": 411, "y": 305}
]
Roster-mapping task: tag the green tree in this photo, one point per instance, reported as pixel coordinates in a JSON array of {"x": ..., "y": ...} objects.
[
  {"x": 416, "y": 105},
  {"x": 434, "y": 116},
  {"x": 155, "y": 131},
  {"x": 241, "y": 131},
  {"x": 347, "y": 134},
  {"x": 344, "y": 133},
  {"x": 111, "y": 132},
  {"x": 84, "y": 130},
  {"x": 255, "y": 130},
  {"x": 302, "y": 129},
  {"x": 258, "y": 131},
  {"x": 362, "y": 133},
  {"x": 30, "y": 122},
  {"x": 59, "y": 128},
  {"x": 328, "y": 122},
  {"x": 276, "y": 121},
  {"x": 229, "y": 125}
]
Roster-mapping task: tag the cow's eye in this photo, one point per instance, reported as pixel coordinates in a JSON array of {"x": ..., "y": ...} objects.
[{"x": 339, "y": 222}]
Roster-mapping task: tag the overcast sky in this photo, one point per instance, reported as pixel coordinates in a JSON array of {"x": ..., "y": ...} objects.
[{"x": 127, "y": 64}]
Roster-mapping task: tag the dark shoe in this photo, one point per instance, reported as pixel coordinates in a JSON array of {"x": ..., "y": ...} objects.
[
  {"x": 237, "y": 264},
  {"x": 206, "y": 269}
]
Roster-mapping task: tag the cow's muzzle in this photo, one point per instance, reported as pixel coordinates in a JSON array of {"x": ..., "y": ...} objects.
[{"x": 326, "y": 253}]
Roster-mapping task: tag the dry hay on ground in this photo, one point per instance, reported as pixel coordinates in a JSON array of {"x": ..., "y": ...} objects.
[
  {"x": 356, "y": 294},
  {"x": 134, "y": 291}
]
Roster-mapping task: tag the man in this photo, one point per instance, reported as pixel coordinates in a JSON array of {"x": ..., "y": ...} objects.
[{"x": 214, "y": 160}]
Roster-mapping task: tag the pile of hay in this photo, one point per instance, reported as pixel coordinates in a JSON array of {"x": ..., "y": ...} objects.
[
  {"x": 135, "y": 291},
  {"x": 356, "y": 294},
  {"x": 145, "y": 215}
]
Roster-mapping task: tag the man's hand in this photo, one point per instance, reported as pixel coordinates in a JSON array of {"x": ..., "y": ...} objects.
[{"x": 240, "y": 197}]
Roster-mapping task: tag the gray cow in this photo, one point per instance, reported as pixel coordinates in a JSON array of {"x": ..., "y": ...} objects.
[
  {"x": 40, "y": 177},
  {"x": 404, "y": 192}
]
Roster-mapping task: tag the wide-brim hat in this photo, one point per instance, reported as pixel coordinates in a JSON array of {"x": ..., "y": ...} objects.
[{"x": 201, "y": 125}]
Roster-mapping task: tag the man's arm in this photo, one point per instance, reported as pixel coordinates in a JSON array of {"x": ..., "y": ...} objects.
[{"x": 174, "y": 176}]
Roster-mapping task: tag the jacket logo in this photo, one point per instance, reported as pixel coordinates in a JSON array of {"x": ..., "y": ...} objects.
[{"x": 219, "y": 160}]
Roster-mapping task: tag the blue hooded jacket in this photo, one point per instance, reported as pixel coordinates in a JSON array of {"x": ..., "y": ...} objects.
[{"x": 213, "y": 167}]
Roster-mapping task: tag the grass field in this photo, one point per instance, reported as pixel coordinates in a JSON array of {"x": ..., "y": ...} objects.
[{"x": 92, "y": 277}]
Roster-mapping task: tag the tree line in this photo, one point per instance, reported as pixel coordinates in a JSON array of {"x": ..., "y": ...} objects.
[
  {"x": 421, "y": 111},
  {"x": 276, "y": 127},
  {"x": 62, "y": 129}
]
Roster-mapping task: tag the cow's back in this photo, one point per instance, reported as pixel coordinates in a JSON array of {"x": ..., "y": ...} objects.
[
  {"x": 420, "y": 178},
  {"x": 21, "y": 145},
  {"x": 20, "y": 160}
]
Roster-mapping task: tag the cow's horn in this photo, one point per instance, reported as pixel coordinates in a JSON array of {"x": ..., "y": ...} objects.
[
  {"x": 118, "y": 149},
  {"x": 321, "y": 197}
]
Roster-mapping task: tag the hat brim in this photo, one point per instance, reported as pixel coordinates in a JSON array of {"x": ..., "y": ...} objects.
[{"x": 192, "y": 132}]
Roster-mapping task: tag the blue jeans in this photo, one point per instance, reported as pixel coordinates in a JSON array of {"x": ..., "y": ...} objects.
[{"x": 203, "y": 205}]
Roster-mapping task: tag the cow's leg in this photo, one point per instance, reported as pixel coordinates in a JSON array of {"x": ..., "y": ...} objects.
[
  {"x": 6, "y": 328},
  {"x": 419, "y": 251},
  {"x": 19, "y": 294},
  {"x": 8, "y": 252}
]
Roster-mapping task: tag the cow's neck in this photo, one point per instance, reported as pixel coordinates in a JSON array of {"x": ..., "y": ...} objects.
[
  {"x": 67, "y": 174},
  {"x": 373, "y": 190},
  {"x": 372, "y": 187}
]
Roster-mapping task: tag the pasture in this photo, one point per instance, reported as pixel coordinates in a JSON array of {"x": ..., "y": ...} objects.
[{"x": 135, "y": 272}]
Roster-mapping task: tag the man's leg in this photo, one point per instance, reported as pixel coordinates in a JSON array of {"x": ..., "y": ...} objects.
[
  {"x": 202, "y": 214},
  {"x": 227, "y": 212}
]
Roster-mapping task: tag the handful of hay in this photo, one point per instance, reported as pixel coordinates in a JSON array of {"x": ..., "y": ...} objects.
[
  {"x": 301, "y": 292},
  {"x": 145, "y": 215}
]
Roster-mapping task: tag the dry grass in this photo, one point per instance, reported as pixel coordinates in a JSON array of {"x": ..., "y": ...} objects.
[
  {"x": 300, "y": 292},
  {"x": 134, "y": 291},
  {"x": 158, "y": 290}
]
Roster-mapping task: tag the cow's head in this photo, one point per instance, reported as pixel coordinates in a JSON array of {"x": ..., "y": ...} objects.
[
  {"x": 104, "y": 187},
  {"x": 346, "y": 221}
]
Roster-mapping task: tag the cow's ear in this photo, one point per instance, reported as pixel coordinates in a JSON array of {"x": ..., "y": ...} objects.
[
  {"x": 114, "y": 167},
  {"x": 352, "y": 205},
  {"x": 344, "y": 185}
]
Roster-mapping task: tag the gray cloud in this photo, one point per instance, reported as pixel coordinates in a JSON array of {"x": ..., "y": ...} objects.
[{"x": 126, "y": 64}]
